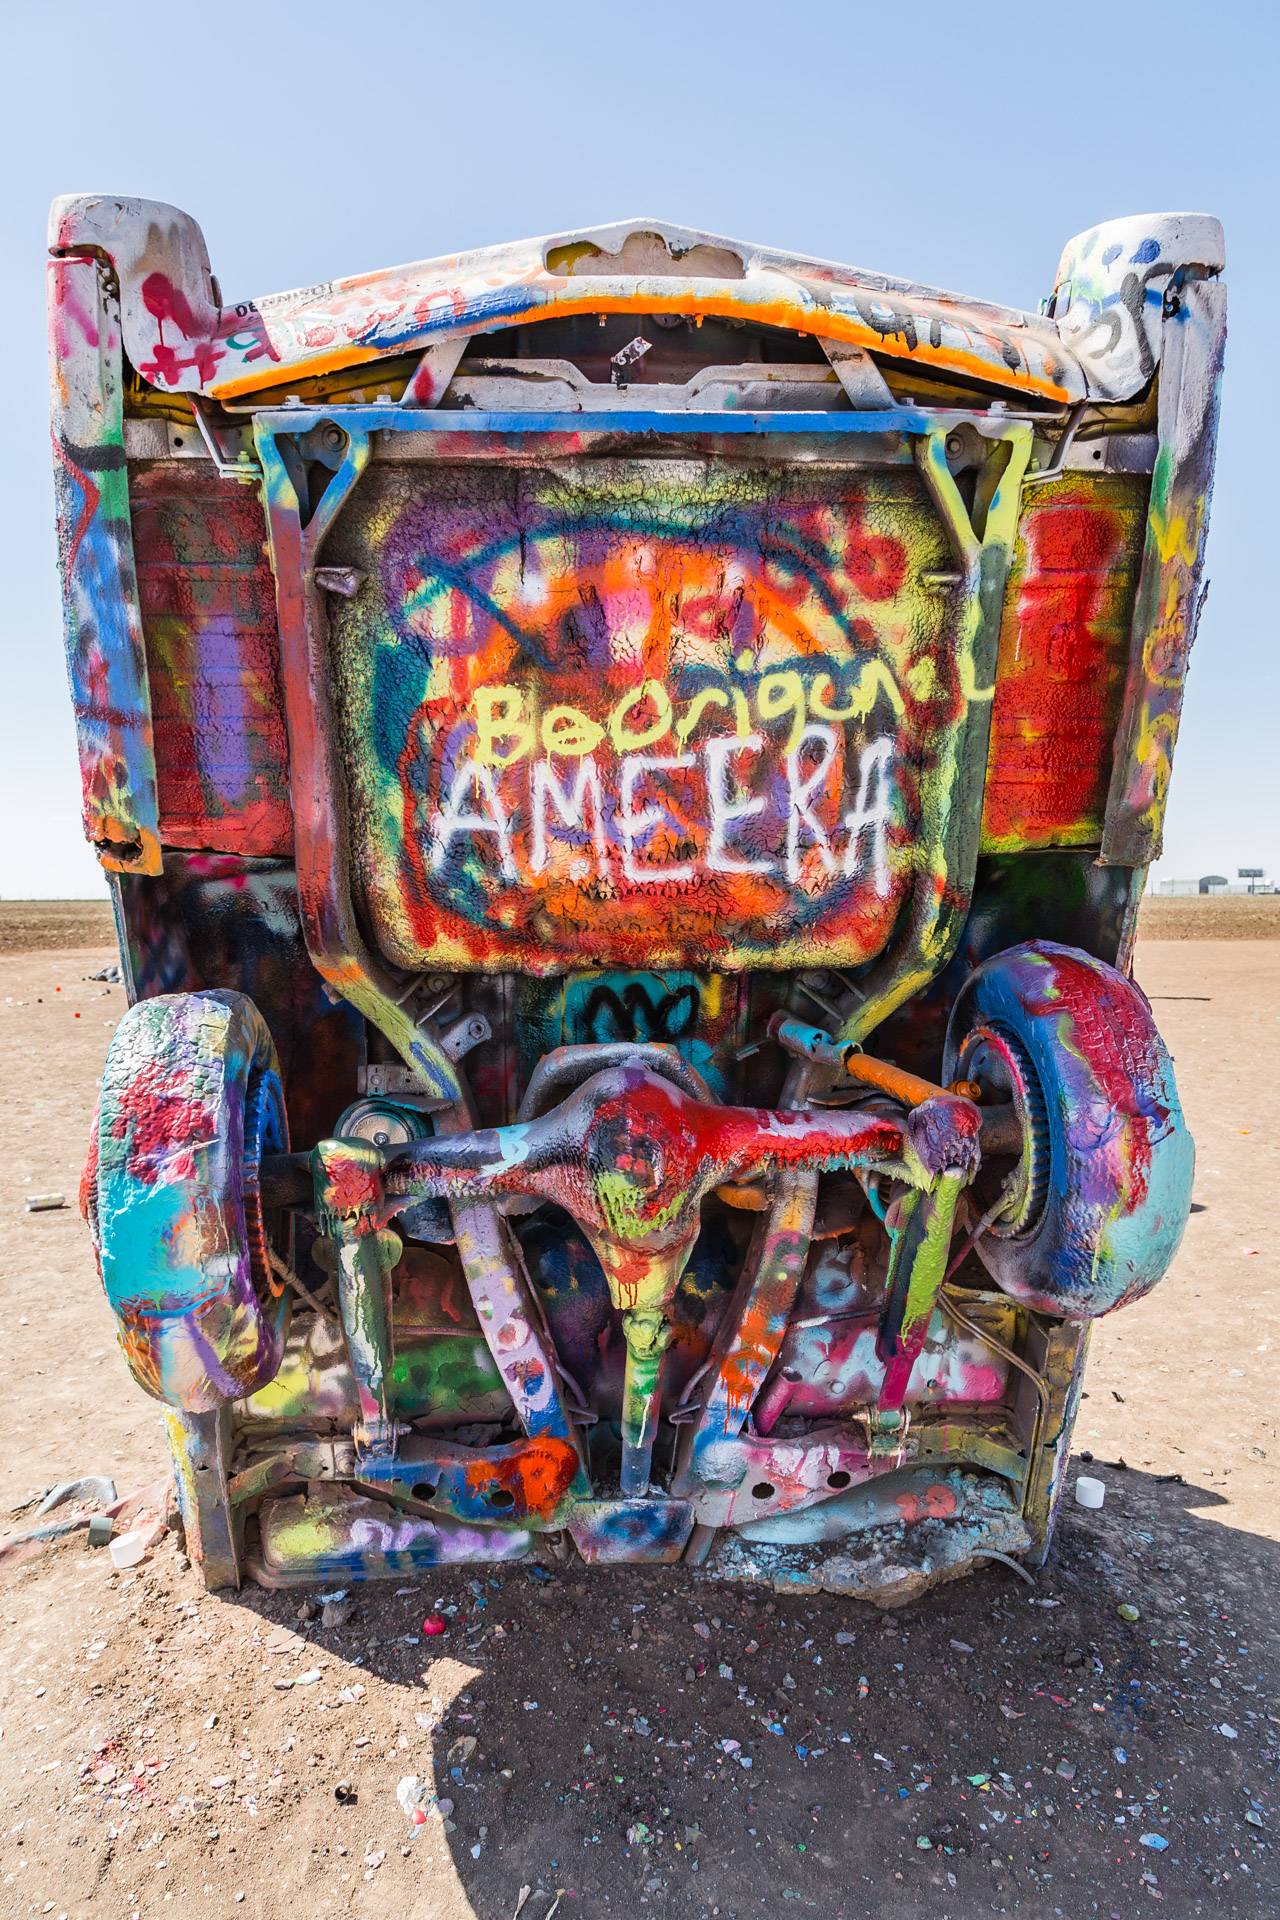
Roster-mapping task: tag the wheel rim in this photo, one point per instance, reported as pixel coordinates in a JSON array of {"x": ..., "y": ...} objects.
[
  {"x": 265, "y": 1132},
  {"x": 1003, "y": 1069}
]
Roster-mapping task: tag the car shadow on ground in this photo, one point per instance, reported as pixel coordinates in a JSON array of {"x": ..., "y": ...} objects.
[{"x": 647, "y": 1739}]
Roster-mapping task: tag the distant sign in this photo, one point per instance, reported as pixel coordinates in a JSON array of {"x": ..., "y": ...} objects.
[{"x": 1250, "y": 873}]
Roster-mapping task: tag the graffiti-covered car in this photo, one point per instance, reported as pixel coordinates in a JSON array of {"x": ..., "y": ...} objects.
[{"x": 627, "y": 763}]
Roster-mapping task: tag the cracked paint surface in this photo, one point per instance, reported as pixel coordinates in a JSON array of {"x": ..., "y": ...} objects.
[{"x": 649, "y": 715}]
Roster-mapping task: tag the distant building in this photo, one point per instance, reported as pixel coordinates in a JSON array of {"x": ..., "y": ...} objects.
[{"x": 1248, "y": 880}]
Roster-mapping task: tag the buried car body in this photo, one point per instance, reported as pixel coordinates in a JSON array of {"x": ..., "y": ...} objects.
[{"x": 627, "y": 764}]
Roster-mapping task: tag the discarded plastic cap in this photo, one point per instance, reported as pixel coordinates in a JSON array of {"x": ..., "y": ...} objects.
[
  {"x": 127, "y": 1549},
  {"x": 1089, "y": 1492}
]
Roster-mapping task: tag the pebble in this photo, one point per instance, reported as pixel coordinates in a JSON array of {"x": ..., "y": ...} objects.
[{"x": 284, "y": 1640}]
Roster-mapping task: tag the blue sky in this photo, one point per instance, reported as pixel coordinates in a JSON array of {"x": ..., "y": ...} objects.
[{"x": 960, "y": 146}]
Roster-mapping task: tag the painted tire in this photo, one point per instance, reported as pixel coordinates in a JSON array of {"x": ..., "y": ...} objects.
[
  {"x": 1103, "y": 1187},
  {"x": 191, "y": 1100}
]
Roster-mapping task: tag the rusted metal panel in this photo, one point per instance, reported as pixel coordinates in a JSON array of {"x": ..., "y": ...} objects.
[
  {"x": 738, "y": 765},
  {"x": 610, "y": 1533},
  {"x": 103, "y": 627},
  {"x": 333, "y": 1531},
  {"x": 200, "y": 1447},
  {"x": 334, "y": 938},
  {"x": 1064, "y": 651},
  {"x": 1172, "y": 585},
  {"x": 207, "y": 598},
  {"x": 534, "y": 1483}
]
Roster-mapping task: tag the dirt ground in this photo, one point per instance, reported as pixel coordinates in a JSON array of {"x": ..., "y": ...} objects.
[
  {"x": 48, "y": 926},
  {"x": 37, "y": 926},
  {"x": 996, "y": 1748},
  {"x": 31, "y": 926},
  {"x": 1231, "y": 916}
]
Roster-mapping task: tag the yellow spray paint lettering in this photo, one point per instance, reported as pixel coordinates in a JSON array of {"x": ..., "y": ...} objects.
[{"x": 498, "y": 712}]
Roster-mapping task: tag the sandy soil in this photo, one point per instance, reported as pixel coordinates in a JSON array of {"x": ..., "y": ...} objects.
[
  {"x": 150, "y": 1764},
  {"x": 28, "y": 926},
  {"x": 1238, "y": 916},
  {"x": 51, "y": 926}
]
